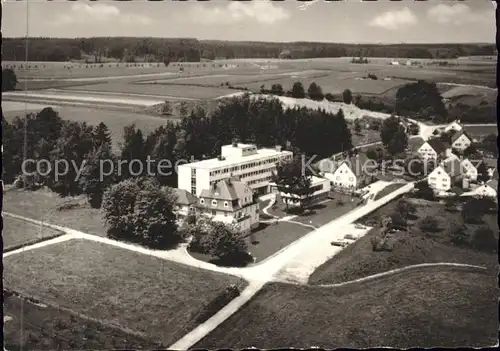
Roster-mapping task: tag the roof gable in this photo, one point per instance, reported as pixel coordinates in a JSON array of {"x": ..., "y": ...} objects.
[
  {"x": 184, "y": 197},
  {"x": 437, "y": 145},
  {"x": 228, "y": 190},
  {"x": 458, "y": 134}
]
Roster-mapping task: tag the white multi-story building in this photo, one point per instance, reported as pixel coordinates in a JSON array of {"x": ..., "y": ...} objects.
[
  {"x": 444, "y": 176},
  {"x": 231, "y": 202},
  {"x": 469, "y": 170},
  {"x": 245, "y": 162},
  {"x": 460, "y": 140},
  {"x": 454, "y": 126}
]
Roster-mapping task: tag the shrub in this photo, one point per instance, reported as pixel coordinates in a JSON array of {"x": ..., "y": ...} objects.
[
  {"x": 458, "y": 234},
  {"x": 484, "y": 240},
  {"x": 221, "y": 300},
  {"x": 429, "y": 224}
]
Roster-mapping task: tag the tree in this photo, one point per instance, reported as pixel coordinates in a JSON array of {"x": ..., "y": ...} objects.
[
  {"x": 421, "y": 99},
  {"x": 219, "y": 240},
  {"x": 357, "y": 126},
  {"x": 484, "y": 240},
  {"x": 102, "y": 136},
  {"x": 9, "y": 79},
  {"x": 429, "y": 224},
  {"x": 262, "y": 89},
  {"x": 424, "y": 191},
  {"x": 347, "y": 96},
  {"x": 482, "y": 172},
  {"x": 315, "y": 92},
  {"x": 166, "y": 109},
  {"x": 298, "y": 91},
  {"x": 98, "y": 174},
  {"x": 183, "y": 110},
  {"x": 405, "y": 209},
  {"x": 141, "y": 211},
  {"x": 74, "y": 144},
  {"x": 133, "y": 148},
  {"x": 393, "y": 135},
  {"x": 294, "y": 179},
  {"x": 472, "y": 211},
  {"x": 458, "y": 234},
  {"x": 277, "y": 89},
  {"x": 398, "y": 220}
]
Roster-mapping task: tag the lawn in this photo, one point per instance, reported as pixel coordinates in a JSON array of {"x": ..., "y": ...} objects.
[
  {"x": 267, "y": 240},
  {"x": 160, "y": 299},
  {"x": 50, "y": 328},
  {"x": 414, "y": 247},
  {"x": 428, "y": 308},
  {"x": 322, "y": 213},
  {"x": 273, "y": 237},
  {"x": 165, "y": 91},
  {"x": 46, "y": 206},
  {"x": 115, "y": 120},
  {"x": 387, "y": 190},
  {"x": 17, "y": 233}
]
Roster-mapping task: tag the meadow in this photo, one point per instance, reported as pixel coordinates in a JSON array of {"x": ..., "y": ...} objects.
[
  {"x": 159, "y": 299},
  {"x": 446, "y": 307},
  {"x": 17, "y": 233}
]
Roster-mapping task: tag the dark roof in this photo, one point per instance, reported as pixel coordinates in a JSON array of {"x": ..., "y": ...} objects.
[
  {"x": 452, "y": 168},
  {"x": 437, "y": 145},
  {"x": 184, "y": 197},
  {"x": 493, "y": 184},
  {"x": 458, "y": 134},
  {"x": 227, "y": 190},
  {"x": 490, "y": 162},
  {"x": 357, "y": 163}
]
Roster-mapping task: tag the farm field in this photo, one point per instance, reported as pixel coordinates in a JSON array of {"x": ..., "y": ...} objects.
[
  {"x": 50, "y": 328},
  {"x": 115, "y": 120},
  {"x": 159, "y": 299},
  {"x": 358, "y": 260},
  {"x": 17, "y": 233},
  {"x": 445, "y": 307},
  {"x": 165, "y": 91}
]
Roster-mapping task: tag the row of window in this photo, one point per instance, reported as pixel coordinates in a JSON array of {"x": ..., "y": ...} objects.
[
  {"x": 226, "y": 204},
  {"x": 265, "y": 179},
  {"x": 248, "y": 165}
]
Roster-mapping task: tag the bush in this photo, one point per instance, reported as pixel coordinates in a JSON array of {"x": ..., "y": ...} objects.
[
  {"x": 429, "y": 224},
  {"x": 221, "y": 300},
  {"x": 484, "y": 240},
  {"x": 372, "y": 76},
  {"x": 458, "y": 234}
]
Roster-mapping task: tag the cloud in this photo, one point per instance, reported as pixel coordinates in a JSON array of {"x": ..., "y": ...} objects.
[
  {"x": 86, "y": 13},
  {"x": 262, "y": 11},
  {"x": 454, "y": 14},
  {"x": 392, "y": 20}
]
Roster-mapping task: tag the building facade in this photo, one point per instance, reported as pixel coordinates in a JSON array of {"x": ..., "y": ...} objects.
[
  {"x": 433, "y": 150},
  {"x": 455, "y": 125},
  {"x": 444, "y": 176},
  {"x": 469, "y": 171},
  {"x": 242, "y": 161},
  {"x": 320, "y": 188},
  {"x": 352, "y": 173},
  {"x": 460, "y": 141},
  {"x": 231, "y": 202}
]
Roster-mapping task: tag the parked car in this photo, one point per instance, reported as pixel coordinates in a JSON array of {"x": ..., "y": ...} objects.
[
  {"x": 350, "y": 237},
  {"x": 340, "y": 243},
  {"x": 359, "y": 226}
]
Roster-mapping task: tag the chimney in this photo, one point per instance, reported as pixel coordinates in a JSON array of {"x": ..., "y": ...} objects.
[{"x": 278, "y": 148}]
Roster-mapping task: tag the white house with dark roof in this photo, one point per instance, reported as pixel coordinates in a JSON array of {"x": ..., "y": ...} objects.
[
  {"x": 433, "y": 149},
  {"x": 488, "y": 189},
  {"x": 352, "y": 173},
  {"x": 455, "y": 125},
  {"x": 460, "y": 140},
  {"x": 444, "y": 176},
  {"x": 232, "y": 202},
  {"x": 469, "y": 170}
]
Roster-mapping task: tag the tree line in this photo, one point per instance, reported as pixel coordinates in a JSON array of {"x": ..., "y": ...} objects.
[
  {"x": 198, "y": 136},
  {"x": 190, "y": 49}
]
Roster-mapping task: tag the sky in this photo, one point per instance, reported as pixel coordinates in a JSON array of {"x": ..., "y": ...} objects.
[{"x": 350, "y": 21}]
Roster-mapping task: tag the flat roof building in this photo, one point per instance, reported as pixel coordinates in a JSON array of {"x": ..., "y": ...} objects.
[{"x": 245, "y": 162}]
